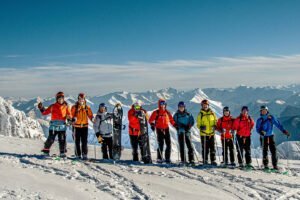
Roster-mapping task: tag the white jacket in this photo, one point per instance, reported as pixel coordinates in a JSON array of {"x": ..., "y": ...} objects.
[{"x": 104, "y": 124}]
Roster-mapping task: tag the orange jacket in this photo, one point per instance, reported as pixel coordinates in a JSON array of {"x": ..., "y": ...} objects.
[
  {"x": 243, "y": 125},
  {"x": 82, "y": 115},
  {"x": 58, "y": 111},
  {"x": 161, "y": 118},
  {"x": 225, "y": 124},
  {"x": 134, "y": 122}
]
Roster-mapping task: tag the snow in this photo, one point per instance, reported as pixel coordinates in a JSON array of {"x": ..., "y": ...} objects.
[
  {"x": 50, "y": 179},
  {"x": 280, "y": 102},
  {"x": 15, "y": 123},
  {"x": 262, "y": 101}
]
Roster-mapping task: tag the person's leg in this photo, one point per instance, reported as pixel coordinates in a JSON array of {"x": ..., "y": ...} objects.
[
  {"x": 181, "y": 146},
  {"x": 134, "y": 146},
  {"x": 168, "y": 145},
  {"x": 265, "y": 151},
  {"x": 212, "y": 149},
  {"x": 248, "y": 150},
  {"x": 77, "y": 141},
  {"x": 273, "y": 150},
  {"x": 110, "y": 147},
  {"x": 160, "y": 141},
  {"x": 50, "y": 140},
  {"x": 239, "y": 149},
  {"x": 104, "y": 148},
  {"x": 62, "y": 141},
  {"x": 231, "y": 150},
  {"x": 188, "y": 141},
  {"x": 84, "y": 141}
]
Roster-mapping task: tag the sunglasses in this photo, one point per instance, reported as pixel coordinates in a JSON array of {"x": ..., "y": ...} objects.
[
  {"x": 162, "y": 103},
  {"x": 60, "y": 97}
]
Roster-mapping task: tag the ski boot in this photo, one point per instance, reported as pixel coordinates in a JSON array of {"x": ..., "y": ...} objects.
[{"x": 214, "y": 163}]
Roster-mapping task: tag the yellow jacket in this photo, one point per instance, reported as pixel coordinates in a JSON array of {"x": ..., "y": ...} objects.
[{"x": 207, "y": 122}]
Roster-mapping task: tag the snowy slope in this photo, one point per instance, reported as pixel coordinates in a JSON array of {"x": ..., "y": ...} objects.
[
  {"x": 27, "y": 176},
  {"x": 15, "y": 123}
]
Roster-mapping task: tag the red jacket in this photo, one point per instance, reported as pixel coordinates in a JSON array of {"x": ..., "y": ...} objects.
[
  {"x": 225, "y": 123},
  {"x": 58, "y": 111},
  {"x": 243, "y": 125},
  {"x": 134, "y": 122},
  {"x": 161, "y": 118}
]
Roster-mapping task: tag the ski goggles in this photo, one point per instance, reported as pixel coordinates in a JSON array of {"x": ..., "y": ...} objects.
[
  {"x": 137, "y": 107},
  {"x": 162, "y": 103},
  {"x": 60, "y": 97}
]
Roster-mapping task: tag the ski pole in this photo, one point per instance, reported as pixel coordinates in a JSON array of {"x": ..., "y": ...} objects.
[
  {"x": 178, "y": 148},
  {"x": 216, "y": 146},
  {"x": 159, "y": 150},
  {"x": 184, "y": 155},
  {"x": 239, "y": 149},
  {"x": 224, "y": 153},
  {"x": 288, "y": 151}
]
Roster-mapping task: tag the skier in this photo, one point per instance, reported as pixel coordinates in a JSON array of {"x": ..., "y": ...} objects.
[
  {"x": 243, "y": 126},
  {"x": 206, "y": 123},
  {"x": 60, "y": 112},
  {"x": 103, "y": 127},
  {"x": 159, "y": 121},
  {"x": 225, "y": 127},
  {"x": 136, "y": 139},
  {"x": 81, "y": 113},
  {"x": 184, "y": 121},
  {"x": 264, "y": 127}
]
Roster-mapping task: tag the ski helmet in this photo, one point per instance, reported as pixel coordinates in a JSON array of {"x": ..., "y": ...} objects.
[
  {"x": 59, "y": 95},
  {"x": 137, "y": 106},
  {"x": 226, "y": 109},
  {"x": 81, "y": 95},
  {"x": 102, "y": 105},
  {"x": 181, "y": 104},
  {"x": 245, "y": 108},
  {"x": 205, "y": 101},
  {"x": 264, "y": 107}
]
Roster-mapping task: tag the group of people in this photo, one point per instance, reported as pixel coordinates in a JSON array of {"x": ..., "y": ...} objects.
[{"x": 234, "y": 131}]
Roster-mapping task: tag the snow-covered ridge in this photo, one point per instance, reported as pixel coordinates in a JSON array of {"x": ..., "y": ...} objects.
[{"x": 15, "y": 123}]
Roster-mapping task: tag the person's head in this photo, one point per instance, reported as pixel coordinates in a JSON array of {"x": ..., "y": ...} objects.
[
  {"x": 181, "y": 106},
  {"x": 162, "y": 104},
  {"x": 137, "y": 106},
  {"x": 226, "y": 111},
  {"x": 102, "y": 108},
  {"x": 205, "y": 104},
  {"x": 245, "y": 110},
  {"x": 60, "y": 97},
  {"x": 264, "y": 110},
  {"x": 81, "y": 98}
]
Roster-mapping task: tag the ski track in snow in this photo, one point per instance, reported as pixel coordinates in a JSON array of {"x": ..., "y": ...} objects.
[{"x": 115, "y": 178}]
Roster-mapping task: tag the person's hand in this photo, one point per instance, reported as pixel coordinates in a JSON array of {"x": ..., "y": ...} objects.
[
  {"x": 285, "y": 132},
  {"x": 152, "y": 125},
  {"x": 202, "y": 128},
  {"x": 262, "y": 133},
  {"x": 40, "y": 105}
]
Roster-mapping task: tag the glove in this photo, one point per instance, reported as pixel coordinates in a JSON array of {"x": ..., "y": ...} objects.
[
  {"x": 202, "y": 128},
  {"x": 285, "y": 132},
  {"x": 233, "y": 132},
  {"x": 41, "y": 107},
  {"x": 99, "y": 137},
  {"x": 262, "y": 133},
  {"x": 74, "y": 119},
  {"x": 152, "y": 127}
]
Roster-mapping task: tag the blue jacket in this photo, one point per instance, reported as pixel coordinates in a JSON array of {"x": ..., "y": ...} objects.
[
  {"x": 184, "y": 121},
  {"x": 266, "y": 122}
]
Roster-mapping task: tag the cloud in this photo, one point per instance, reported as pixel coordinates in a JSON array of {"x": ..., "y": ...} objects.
[{"x": 97, "y": 79}]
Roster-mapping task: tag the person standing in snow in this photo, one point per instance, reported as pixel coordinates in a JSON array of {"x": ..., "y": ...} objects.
[
  {"x": 264, "y": 127},
  {"x": 81, "y": 113},
  {"x": 103, "y": 127},
  {"x": 184, "y": 122},
  {"x": 159, "y": 122},
  {"x": 136, "y": 139},
  {"x": 207, "y": 123},
  {"x": 225, "y": 127},
  {"x": 60, "y": 112},
  {"x": 243, "y": 126}
]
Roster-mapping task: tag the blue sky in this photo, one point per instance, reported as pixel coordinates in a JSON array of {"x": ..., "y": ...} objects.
[{"x": 41, "y": 40}]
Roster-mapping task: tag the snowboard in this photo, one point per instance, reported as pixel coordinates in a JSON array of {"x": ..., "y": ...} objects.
[
  {"x": 144, "y": 137},
  {"x": 117, "y": 131}
]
